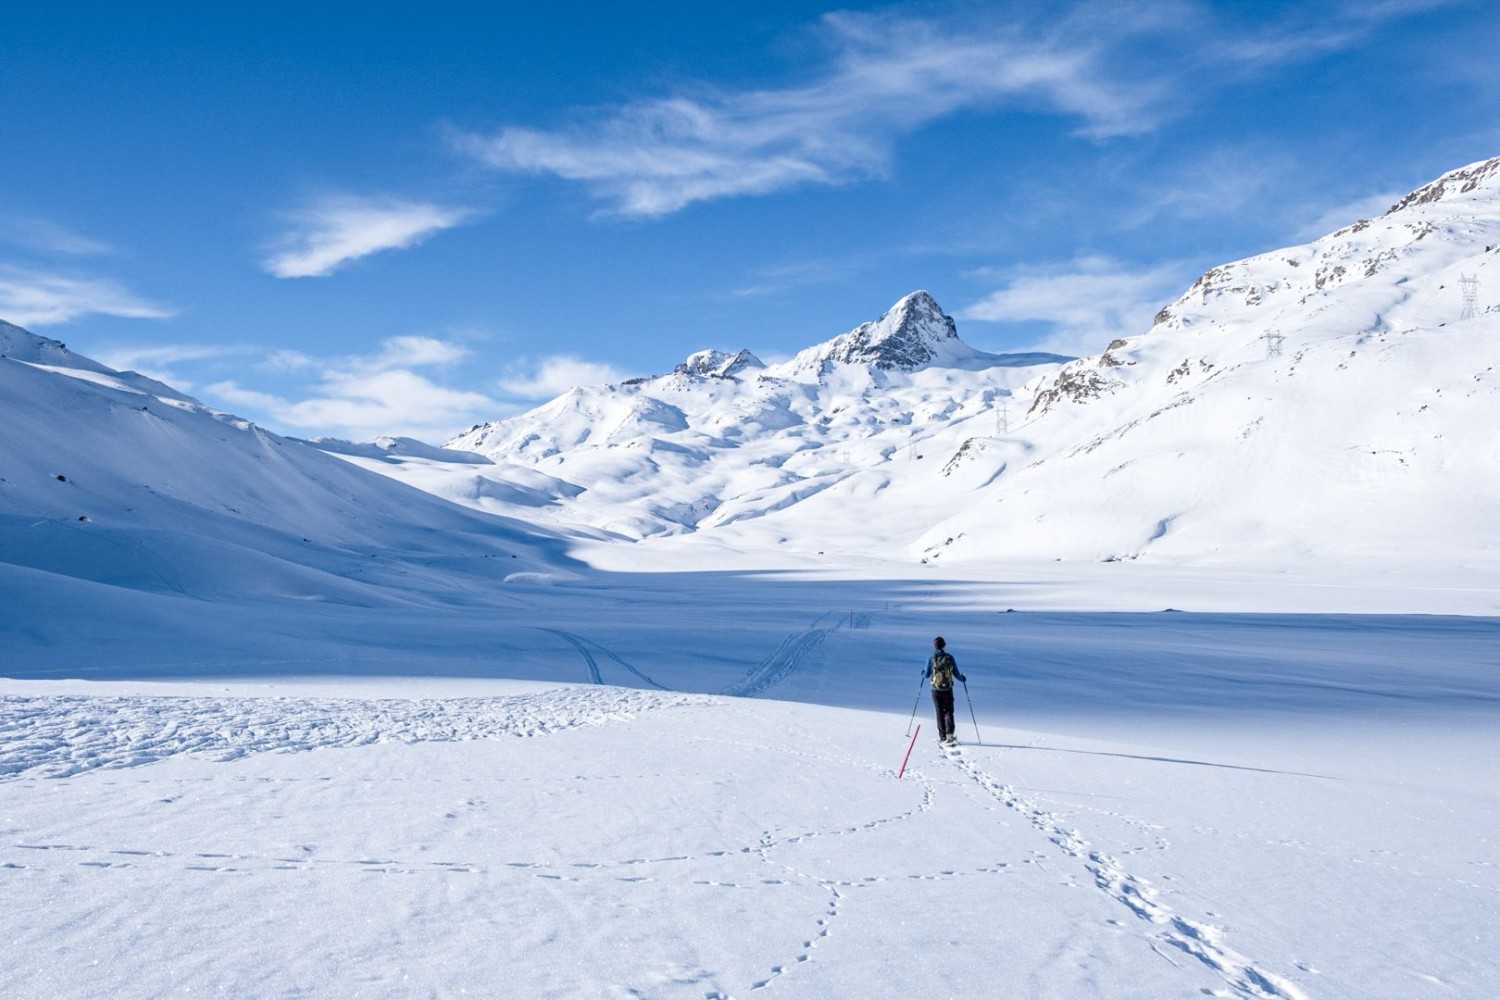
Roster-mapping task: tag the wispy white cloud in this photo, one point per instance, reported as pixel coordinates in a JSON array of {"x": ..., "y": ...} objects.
[
  {"x": 326, "y": 236},
  {"x": 164, "y": 362},
  {"x": 235, "y": 396},
  {"x": 364, "y": 396},
  {"x": 1082, "y": 305},
  {"x": 1214, "y": 183},
  {"x": 1339, "y": 216},
  {"x": 404, "y": 403},
  {"x": 47, "y": 237},
  {"x": 1110, "y": 68},
  {"x": 1316, "y": 29},
  {"x": 1273, "y": 48},
  {"x": 799, "y": 274},
  {"x": 122, "y": 358},
  {"x": 31, "y": 297},
  {"x": 543, "y": 378},
  {"x": 285, "y": 361},
  {"x": 888, "y": 76},
  {"x": 410, "y": 351},
  {"x": 1389, "y": 10}
]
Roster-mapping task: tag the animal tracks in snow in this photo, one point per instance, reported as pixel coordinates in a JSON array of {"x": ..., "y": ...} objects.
[
  {"x": 1172, "y": 932},
  {"x": 803, "y": 864}
]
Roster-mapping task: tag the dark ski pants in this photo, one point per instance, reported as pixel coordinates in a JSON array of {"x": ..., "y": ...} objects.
[{"x": 943, "y": 702}]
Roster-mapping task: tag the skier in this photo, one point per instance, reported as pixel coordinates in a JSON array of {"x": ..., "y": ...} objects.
[{"x": 942, "y": 668}]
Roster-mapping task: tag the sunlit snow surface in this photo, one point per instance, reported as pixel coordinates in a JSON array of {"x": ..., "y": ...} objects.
[{"x": 1164, "y": 804}]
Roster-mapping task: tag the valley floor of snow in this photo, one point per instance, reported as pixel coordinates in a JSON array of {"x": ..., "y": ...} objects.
[{"x": 681, "y": 785}]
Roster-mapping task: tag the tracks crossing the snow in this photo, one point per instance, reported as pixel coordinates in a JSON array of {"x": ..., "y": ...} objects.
[
  {"x": 581, "y": 644},
  {"x": 784, "y": 661},
  {"x": 780, "y": 665},
  {"x": 1170, "y": 931}
]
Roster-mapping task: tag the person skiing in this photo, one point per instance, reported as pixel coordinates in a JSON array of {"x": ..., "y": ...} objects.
[{"x": 941, "y": 670}]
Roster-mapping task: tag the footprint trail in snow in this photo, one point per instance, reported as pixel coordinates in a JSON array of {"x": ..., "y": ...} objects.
[{"x": 1203, "y": 942}]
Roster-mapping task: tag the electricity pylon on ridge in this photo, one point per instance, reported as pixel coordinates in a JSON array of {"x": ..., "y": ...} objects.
[
  {"x": 1273, "y": 339},
  {"x": 1470, "y": 283}
]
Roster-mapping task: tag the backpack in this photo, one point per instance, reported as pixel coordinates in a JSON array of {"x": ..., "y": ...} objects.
[{"x": 943, "y": 669}]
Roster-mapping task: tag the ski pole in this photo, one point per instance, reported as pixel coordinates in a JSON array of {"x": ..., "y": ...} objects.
[
  {"x": 914, "y": 705},
  {"x": 908, "y": 752},
  {"x": 979, "y": 739}
]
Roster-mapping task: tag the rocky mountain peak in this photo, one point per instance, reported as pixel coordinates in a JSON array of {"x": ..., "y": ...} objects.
[
  {"x": 719, "y": 364},
  {"x": 912, "y": 333},
  {"x": 1485, "y": 173}
]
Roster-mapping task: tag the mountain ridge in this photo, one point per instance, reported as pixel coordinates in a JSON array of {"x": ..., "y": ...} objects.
[
  {"x": 1263, "y": 416},
  {"x": 1330, "y": 400},
  {"x": 113, "y": 478}
]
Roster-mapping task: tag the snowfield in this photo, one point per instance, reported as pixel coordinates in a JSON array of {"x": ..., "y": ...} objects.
[
  {"x": 1162, "y": 805},
  {"x": 596, "y": 841}
]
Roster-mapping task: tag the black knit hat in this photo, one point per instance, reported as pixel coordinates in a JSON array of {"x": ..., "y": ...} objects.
[{"x": 939, "y": 643}]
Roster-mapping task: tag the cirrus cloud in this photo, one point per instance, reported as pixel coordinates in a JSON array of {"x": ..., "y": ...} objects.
[
  {"x": 1109, "y": 69},
  {"x": 1084, "y": 304},
  {"x": 360, "y": 408},
  {"x": 543, "y": 378},
  {"x": 324, "y": 237},
  {"x": 44, "y": 236},
  {"x": 889, "y": 75},
  {"x": 32, "y": 297},
  {"x": 363, "y": 396}
]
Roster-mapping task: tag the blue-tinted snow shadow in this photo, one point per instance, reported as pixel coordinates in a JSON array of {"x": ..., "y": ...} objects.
[
  {"x": 857, "y": 644},
  {"x": 979, "y": 748}
]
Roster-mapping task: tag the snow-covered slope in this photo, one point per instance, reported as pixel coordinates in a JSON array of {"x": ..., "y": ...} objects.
[
  {"x": 112, "y": 478},
  {"x": 1331, "y": 400},
  {"x": 463, "y": 477},
  {"x": 1327, "y": 400}
]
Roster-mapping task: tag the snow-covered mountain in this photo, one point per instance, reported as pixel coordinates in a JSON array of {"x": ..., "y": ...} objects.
[
  {"x": 1331, "y": 399},
  {"x": 724, "y": 438},
  {"x": 112, "y": 478},
  {"x": 1335, "y": 399},
  {"x": 1328, "y": 401}
]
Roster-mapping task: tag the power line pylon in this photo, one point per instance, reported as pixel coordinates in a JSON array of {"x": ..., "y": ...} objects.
[
  {"x": 1470, "y": 285},
  {"x": 1273, "y": 339}
]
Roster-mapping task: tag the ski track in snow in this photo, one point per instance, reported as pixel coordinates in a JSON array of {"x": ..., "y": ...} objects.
[
  {"x": 594, "y": 676},
  {"x": 1204, "y": 942},
  {"x": 59, "y": 736},
  {"x": 780, "y": 664},
  {"x": 581, "y": 644}
]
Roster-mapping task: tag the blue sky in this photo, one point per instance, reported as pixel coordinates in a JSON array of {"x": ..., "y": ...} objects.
[{"x": 355, "y": 220}]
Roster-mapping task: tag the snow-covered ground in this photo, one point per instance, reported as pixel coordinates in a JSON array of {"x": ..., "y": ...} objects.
[
  {"x": 428, "y": 839},
  {"x": 700, "y": 799}
]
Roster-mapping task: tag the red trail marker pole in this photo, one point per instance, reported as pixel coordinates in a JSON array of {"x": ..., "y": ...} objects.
[{"x": 908, "y": 750}]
